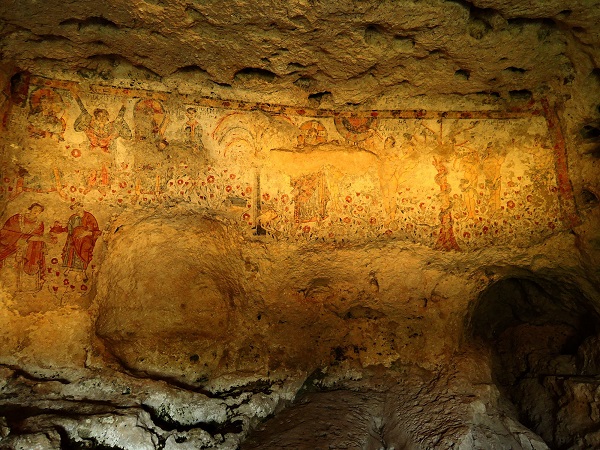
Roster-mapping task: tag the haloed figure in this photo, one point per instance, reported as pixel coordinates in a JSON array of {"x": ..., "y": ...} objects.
[
  {"x": 193, "y": 130},
  {"x": 46, "y": 115},
  {"x": 82, "y": 233},
  {"x": 23, "y": 236},
  {"x": 492, "y": 164},
  {"x": 99, "y": 129},
  {"x": 470, "y": 164},
  {"x": 389, "y": 168}
]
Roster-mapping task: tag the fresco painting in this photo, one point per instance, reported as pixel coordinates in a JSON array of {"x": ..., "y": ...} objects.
[{"x": 452, "y": 181}]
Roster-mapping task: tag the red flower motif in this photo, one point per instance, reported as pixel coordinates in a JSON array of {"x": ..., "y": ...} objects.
[
  {"x": 266, "y": 197},
  {"x": 372, "y": 220},
  {"x": 211, "y": 179},
  {"x": 348, "y": 199},
  {"x": 248, "y": 189},
  {"x": 510, "y": 204},
  {"x": 73, "y": 189},
  {"x": 180, "y": 181},
  {"x": 66, "y": 282},
  {"x": 54, "y": 260},
  {"x": 466, "y": 235},
  {"x": 306, "y": 229},
  {"x": 347, "y": 219},
  {"x": 84, "y": 287},
  {"x": 551, "y": 225},
  {"x": 75, "y": 153},
  {"x": 232, "y": 176},
  {"x": 246, "y": 216},
  {"x": 228, "y": 188}
]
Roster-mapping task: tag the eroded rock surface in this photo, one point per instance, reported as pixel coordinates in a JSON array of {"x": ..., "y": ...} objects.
[{"x": 300, "y": 225}]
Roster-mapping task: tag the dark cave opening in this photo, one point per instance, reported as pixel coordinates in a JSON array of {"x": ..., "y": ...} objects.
[{"x": 543, "y": 337}]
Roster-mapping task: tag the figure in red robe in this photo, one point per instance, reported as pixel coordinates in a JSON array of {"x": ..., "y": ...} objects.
[
  {"x": 22, "y": 236},
  {"x": 83, "y": 231}
]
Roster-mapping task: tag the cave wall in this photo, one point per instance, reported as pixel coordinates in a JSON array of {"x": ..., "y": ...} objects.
[
  {"x": 213, "y": 243},
  {"x": 121, "y": 174},
  {"x": 346, "y": 237}
]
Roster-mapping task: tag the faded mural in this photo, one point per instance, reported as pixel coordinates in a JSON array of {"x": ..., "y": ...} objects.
[{"x": 74, "y": 157}]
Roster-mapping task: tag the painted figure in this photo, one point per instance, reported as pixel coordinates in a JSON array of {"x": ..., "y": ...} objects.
[
  {"x": 395, "y": 164},
  {"x": 469, "y": 164},
  {"x": 388, "y": 176},
  {"x": 151, "y": 122},
  {"x": 193, "y": 130},
  {"x": 23, "y": 236},
  {"x": 446, "y": 240},
  {"x": 312, "y": 132},
  {"x": 491, "y": 164},
  {"x": 99, "y": 129},
  {"x": 310, "y": 197},
  {"x": 82, "y": 233},
  {"x": 355, "y": 129},
  {"x": 46, "y": 115}
]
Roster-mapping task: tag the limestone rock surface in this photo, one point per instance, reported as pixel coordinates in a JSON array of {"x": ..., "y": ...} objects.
[{"x": 299, "y": 225}]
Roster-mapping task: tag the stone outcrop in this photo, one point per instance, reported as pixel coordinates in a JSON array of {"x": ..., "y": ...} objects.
[{"x": 299, "y": 225}]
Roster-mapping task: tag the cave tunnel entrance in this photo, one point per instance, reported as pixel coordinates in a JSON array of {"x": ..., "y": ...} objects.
[{"x": 543, "y": 337}]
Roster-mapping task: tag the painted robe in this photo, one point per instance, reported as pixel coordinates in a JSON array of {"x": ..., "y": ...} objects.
[
  {"x": 18, "y": 228},
  {"x": 83, "y": 232}
]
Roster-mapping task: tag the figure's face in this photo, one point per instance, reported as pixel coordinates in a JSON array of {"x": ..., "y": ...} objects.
[
  {"x": 35, "y": 212},
  {"x": 101, "y": 116},
  {"x": 79, "y": 210},
  {"x": 46, "y": 105}
]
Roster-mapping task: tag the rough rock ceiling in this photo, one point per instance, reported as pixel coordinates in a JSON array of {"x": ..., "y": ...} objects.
[{"x": 353, "y": 50}]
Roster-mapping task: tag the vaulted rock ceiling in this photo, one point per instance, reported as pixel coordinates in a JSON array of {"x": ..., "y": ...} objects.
[
  {"x": 357, "y": 51},
  {"x": 299, "y": 225}
]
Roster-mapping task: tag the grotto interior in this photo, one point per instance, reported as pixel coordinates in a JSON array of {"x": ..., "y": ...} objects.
[{"x": 345, "y": 224}]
